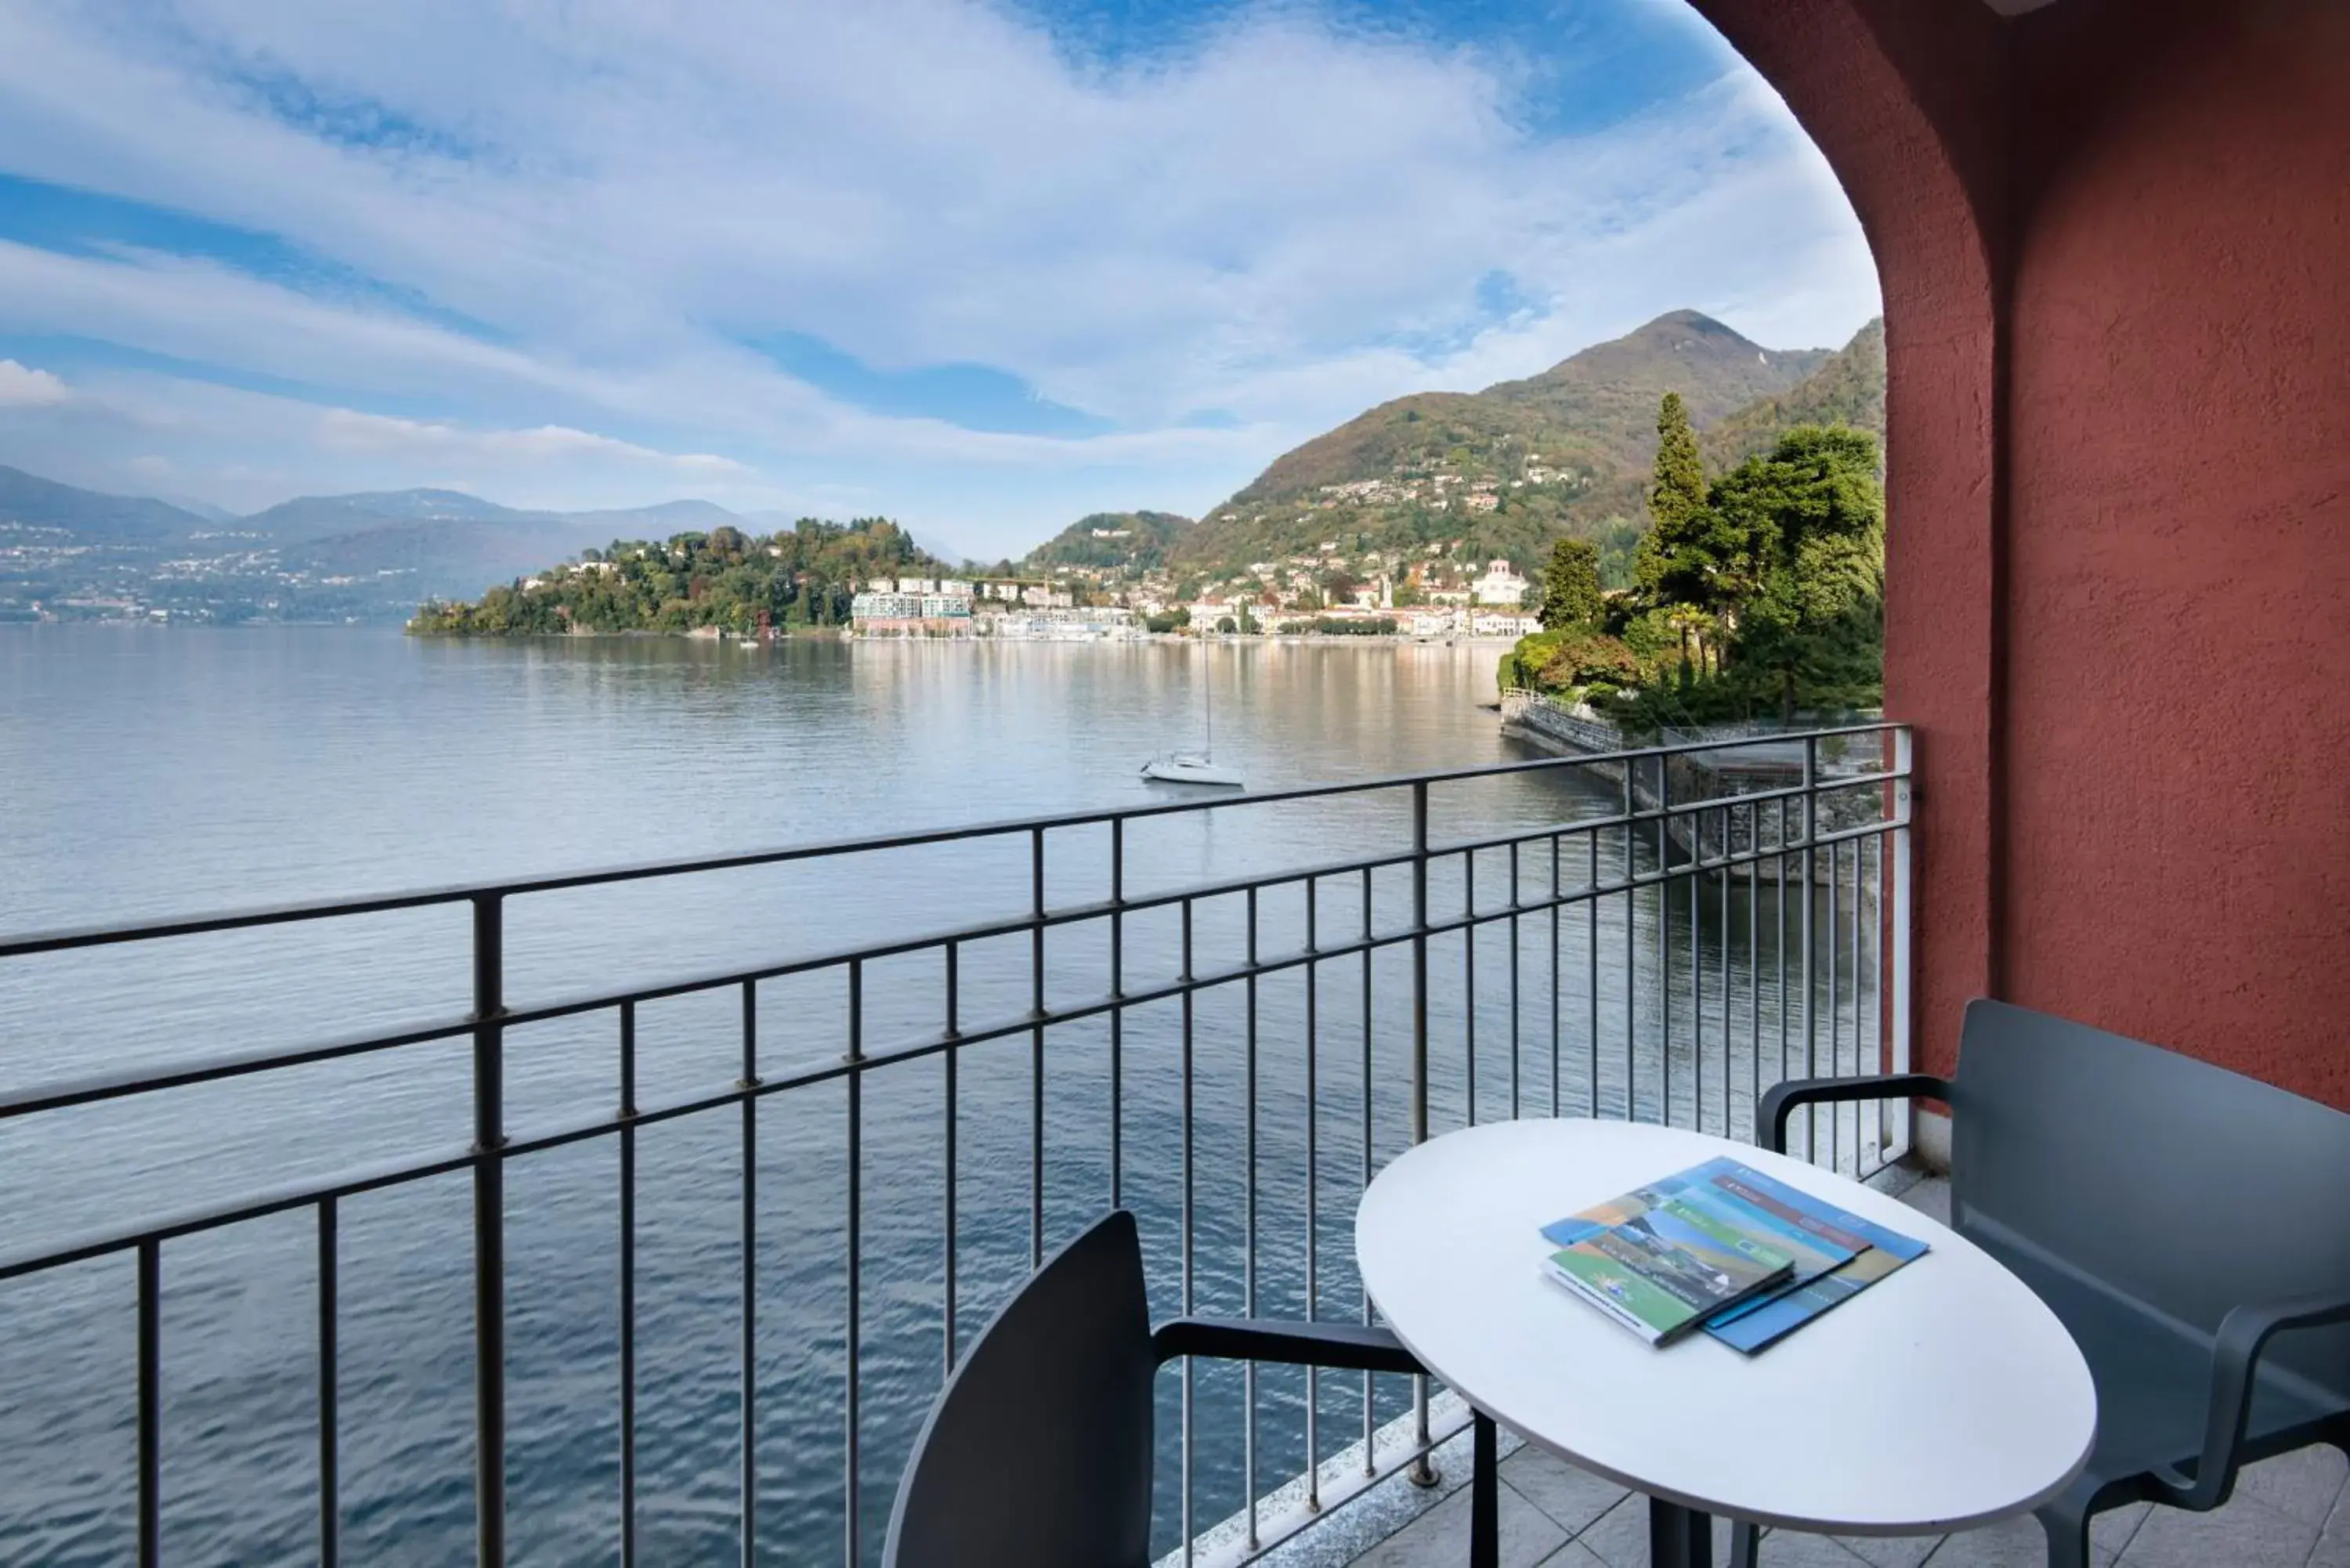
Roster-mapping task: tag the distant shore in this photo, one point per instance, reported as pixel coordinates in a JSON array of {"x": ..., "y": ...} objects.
[{"x": 842, "y": 634}]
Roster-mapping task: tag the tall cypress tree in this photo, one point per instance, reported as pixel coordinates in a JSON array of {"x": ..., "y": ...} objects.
[
  {"x": 1571, "y": 595},
  {"x": 1678, "y": 493},
  {"x": 1671, "y": 564}
]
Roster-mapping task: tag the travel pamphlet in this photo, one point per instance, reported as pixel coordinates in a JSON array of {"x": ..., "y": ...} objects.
[
  {"x": 1833, "y": 1254},
  {"x": 1680, "y": 1258}
]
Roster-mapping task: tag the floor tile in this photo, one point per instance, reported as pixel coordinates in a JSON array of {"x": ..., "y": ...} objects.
[
  {"x": 2334, "y": 1546},
  {"x": 1573, "y": 1498},
  {"x": 1897, "y": 1179},
  {"x": 2247, "y": 1532},
  {"x": 2116, "y": 1528},
  {"x": 2011, "y": 1543},
  {"x": 1930, "y": 1197},
  {"x": 1889, "y": 1551},
  {"x": 1439, "y": 1538},
  {"x": 2305, "y": 1484},
  {"x": 1795, "y": 1548},
  {"x": 1620, "y": 1538}
]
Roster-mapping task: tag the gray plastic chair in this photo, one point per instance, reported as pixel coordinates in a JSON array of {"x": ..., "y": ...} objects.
[
  {"x": 1038, "y": 1453},
  {"x": 2177, "y": 1217}
]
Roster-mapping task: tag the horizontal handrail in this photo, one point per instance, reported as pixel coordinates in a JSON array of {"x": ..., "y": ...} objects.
[
  {"x": 57, "y": 1096},
  {"x": 867, "y": 1060}
]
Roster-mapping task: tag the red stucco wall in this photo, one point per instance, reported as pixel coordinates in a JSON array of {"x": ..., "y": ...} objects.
[
  {"x": 2115, "y": 241},
  {"x": 1903, "y": 100},
  {"x": 2177, "y": 748}
]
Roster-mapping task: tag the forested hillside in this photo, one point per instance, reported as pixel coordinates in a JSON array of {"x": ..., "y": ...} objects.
[
  {"x": 1132, "y": 542},
  {"x": 1848, "y": 388},
  {"x": 1506, "y": 470},
  {"x": 726, "y": 579}
]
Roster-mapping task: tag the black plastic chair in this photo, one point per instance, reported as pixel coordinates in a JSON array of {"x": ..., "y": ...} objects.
[
  {"x": 1038, "y": 1453},
  {"x": 2177, "y": 1217}
]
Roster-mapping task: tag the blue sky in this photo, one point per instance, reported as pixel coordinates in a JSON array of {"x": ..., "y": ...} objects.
[{"x": 980, "y": 265}]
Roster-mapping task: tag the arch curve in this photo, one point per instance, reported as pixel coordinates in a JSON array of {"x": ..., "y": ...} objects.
[{"x": 1904, "y": 100}]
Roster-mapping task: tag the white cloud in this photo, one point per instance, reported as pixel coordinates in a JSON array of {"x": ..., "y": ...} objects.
[
  {"x": 616, "y": 193},
  {"x": 377, "y": 435},
  {"x": 22, "y": 387}
]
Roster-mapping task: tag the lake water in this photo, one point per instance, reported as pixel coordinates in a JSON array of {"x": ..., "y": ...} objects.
[{"x": 151, "y": 771}]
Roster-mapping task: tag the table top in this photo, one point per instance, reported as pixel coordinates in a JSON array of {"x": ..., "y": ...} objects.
[{"x": 1944, "y": 1395}]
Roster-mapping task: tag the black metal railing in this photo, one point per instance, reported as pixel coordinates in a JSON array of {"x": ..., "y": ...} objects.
[{"x": 1678, "y": 935}]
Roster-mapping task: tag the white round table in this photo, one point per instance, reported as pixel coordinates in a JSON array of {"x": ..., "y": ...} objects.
[{"x": 1942, "y": 1396}]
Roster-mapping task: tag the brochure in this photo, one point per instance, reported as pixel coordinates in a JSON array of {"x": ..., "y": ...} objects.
[
  {"x": 1834, "y": 1254},
  {"x": 1683, "y": 1256}
]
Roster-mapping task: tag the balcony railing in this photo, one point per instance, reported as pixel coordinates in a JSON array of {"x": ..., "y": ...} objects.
[{"x": 1005, "y": 1028}]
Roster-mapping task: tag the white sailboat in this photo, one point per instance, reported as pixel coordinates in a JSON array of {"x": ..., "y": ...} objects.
[{"x": 1199, "y": 767}]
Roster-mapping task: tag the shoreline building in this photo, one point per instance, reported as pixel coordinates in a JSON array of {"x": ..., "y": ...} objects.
[
  {"x": 1106, "y": 623},
  {"x": 1499, "y": 586},
  {"x": 893, "y": 613}
]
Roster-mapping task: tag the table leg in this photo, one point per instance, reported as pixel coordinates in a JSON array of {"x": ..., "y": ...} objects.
[
  {"x": 1678, "y": 1537},
  {"x": 1484, "y": 1493}
]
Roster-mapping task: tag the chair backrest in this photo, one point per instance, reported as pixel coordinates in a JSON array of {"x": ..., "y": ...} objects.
[
  {"x": 1038, "y": 1452},
  {"x": 2185, "y": 1187}
]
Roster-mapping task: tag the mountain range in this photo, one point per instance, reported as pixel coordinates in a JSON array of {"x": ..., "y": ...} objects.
[
  {"x": 364, "y": 556},
  {"x": 1503, "y": 471},
  {"x": 1568, "y": 451},
  {"x": 1597, "y": 408}
]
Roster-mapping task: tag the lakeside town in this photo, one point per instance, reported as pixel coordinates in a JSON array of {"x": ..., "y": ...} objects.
[{"x": 1328, "y": 593}]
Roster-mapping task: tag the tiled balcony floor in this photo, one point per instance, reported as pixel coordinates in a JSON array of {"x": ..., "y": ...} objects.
[{"x": 2291, "y": 1513}]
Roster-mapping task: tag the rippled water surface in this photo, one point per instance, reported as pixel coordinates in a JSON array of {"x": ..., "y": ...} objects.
[{"x": 150, "y": 772}]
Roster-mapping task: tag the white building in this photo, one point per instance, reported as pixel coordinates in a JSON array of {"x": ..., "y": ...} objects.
[
  {"x": 1495, "y": 623},
  {"x": 1499, "y": 586},
  {"x": 1101, "y": 624},
  {"x": 1207, "y": 613},
  {"x": 903, "y": 614}
]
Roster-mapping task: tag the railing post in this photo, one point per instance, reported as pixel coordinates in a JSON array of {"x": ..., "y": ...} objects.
[
  {"x": 1420, "y": 963},
  {"x": 1664, "y": 942},
  {"x": 330, "y": 1515},
  {"x": 952, "y": 1097},
  {"x": 852, "y": 1545},
  {"x": 628, "y": 1285},
  {"x": 1899, "y": 978},
  {"x": 1036, "y": 1052},
  {"x": 1811, "y": 895},
  {"x": 151, "y": 1403},
  {"x": 489, "y": 1231},
  {"x": 1117, "y": 1015},
  {"x": 747, "y": 1223},
  {"x": 1421, "y": 1472}
]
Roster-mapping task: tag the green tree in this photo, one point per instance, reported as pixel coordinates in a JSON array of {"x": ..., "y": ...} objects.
[
  {"x": 1571, "y": 599},
  {"x": 723, "y": 578},
  {"x": 1671, "y": 564},
  {"x": 1619, "y": 543},
  {"x": 1807, "y": 570}
]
